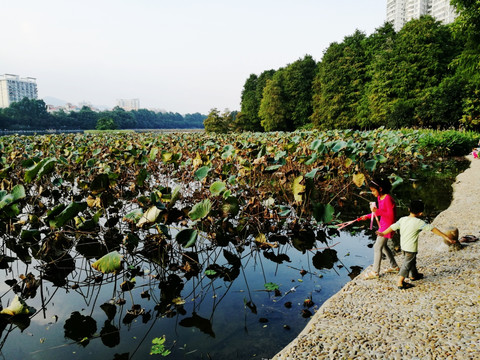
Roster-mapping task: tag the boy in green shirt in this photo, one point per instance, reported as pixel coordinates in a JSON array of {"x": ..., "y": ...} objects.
[{"x": 410, "y": 227}]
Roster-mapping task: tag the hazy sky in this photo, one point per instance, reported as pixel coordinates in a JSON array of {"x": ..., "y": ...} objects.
[{"x": 183, "y": 56}]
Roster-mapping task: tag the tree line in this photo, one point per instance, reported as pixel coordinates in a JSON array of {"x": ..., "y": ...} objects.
[
  {"x": 32, "y": 114},
  {"x": 425, "y": 75}
]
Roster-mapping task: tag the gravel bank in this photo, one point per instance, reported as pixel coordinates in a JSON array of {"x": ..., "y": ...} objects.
[{"x": 439, "y": 318}]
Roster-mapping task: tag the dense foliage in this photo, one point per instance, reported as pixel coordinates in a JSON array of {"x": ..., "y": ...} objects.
[
  {"x": 30, "y": 114},
  {"x": 426, "y": 75}
]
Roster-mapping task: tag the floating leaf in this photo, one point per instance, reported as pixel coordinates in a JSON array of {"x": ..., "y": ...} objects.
[
  {"x": 150, "y": 216},
  {"x": 109, "y": 263},
  {"x": 141, "y": 177},
  {"x": 339, "y": 145},
  {"x": 187, "y": 237},
  {"x": 217, "y": 188},
  {"x": 359, "y": 179},
  {"x": 273, "y": 167},
  {"x": 133, "y": 216},
  {"x": 43, "y": 167},
  {"x": 271, "y": 286},
  {"x": 200, "y": 210},
  {"x": 398, "y": 181},
  {"x": 158, "y": 347},
  {"x": 69, "y": 213},
  {"x": 323, "y": 213},
  {"x": 18, "y": 192},
  {"x": 17, "y": 307},
  {"x": 100, "y": 184},
  {"x": 311, "y": 174},
  {"x": 201, "y": 173},
  {"x": 371, "y": 165},
  {"x": 298, "y": 188},
  {"x": 176, "y": 194},
  {"x": 230, "y": 206}
]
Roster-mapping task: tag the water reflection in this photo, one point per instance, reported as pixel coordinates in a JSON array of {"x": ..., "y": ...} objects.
[{"x": 242, "y": 299}]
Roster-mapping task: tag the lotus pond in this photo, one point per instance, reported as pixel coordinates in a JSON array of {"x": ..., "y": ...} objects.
[{"x": 188, "y": 246}]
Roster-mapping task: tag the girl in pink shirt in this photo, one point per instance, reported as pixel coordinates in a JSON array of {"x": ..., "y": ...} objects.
[{"x": 386, "y": 211}]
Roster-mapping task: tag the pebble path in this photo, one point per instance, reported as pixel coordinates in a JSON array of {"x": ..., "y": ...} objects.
[{"x": 439, "y": 318}]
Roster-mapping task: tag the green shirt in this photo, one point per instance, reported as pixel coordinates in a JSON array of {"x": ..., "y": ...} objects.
[{"x": 410, "y": 227}]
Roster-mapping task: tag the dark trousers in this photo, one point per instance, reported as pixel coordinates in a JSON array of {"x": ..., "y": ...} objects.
[{"x": 409, "y": 266}]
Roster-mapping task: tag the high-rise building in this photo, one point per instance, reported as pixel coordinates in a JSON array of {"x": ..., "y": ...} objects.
[
  {"x": 128, "y": 104},
  {"x": 14, "y": 89},
  {"x": 399, "y": 12}
]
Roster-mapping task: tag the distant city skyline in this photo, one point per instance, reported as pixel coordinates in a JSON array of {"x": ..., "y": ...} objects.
[{"x": 184, "y": 56}]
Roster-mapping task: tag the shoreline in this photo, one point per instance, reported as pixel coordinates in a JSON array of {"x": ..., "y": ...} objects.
[{"x": 439, "y": 318}]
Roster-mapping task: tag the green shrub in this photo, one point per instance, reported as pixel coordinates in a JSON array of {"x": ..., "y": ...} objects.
[{"x": 451, "y": 142}]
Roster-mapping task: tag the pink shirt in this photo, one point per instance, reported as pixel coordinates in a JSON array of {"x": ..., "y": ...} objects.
[{"x": 386, "y": 212}]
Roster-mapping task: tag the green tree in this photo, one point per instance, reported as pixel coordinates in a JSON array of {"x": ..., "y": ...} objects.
[
  {"x": 378, "y": 49},
  {"x": 273, "y": 110},
  {"x": 252, "y": 95},
  {"x": 28, "y": 114},
  {"x": 105, "y": 123},
  {"x": 407, "y": 74},
  {"x": 123, "y": 119},
  {"x": 467, "y": 29},
  {"x": 339, "y": 84},
  {"x": 85, "y": 119},
  {"x": 297, "y": 89},
  {"x": 218, "y": 123}
]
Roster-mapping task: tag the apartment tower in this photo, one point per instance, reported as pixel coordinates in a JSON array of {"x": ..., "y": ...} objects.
[
  {"x": 14, "y": 89},
  {"x": 128, "y": 104},
  {"x": 399, "y": 12}
]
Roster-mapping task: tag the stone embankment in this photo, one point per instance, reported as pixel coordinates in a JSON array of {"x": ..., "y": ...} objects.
[{"x": 439, "y": 318}]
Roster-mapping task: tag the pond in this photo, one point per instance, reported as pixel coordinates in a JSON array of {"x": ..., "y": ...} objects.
[{"x": 247, "y": 302}]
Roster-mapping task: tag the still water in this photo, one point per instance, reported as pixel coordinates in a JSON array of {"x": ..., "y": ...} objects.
[{"x": 249, "y": 307}]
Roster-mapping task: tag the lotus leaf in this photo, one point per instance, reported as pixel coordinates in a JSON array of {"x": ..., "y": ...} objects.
[
  {"x": 217, "y": 188},
  {"x": 109, "y": 263},
  {"x": 187, "y": 237},
  {"x": 131, "y": 241},
  {"x": 284, "y": 211},
  {"x": 298, "y": 188},
  {"x": 153, "y": 153},
  {"x": 398, "y": 180},
  {"x": 323, "y": 213},
  {"x": 17, "y": 307},
  {"x": 43, "y": 167},
  {"x": 100, "y": 184},
  {"x": 311, "y": 174},
  {"x": 359, "y": 179},
  {"x": 18, "y": 192},
  {"x": 176, "y": 194},
  {"x": 273, "y": 167},
  {"x": 150, "y": 216},
  {"x": 338, "y": 146},
  {"x": 141, "y": 177},
  {"x": 381, "y": 159},
  {"x": 230, "y": 206},
  {"x": 371, "y": 165},
  {"x": 197, "y": 161},
  {"x": 68, "y": 214},
  {"x": 167, "y": 156},
  {"x": 200, "y": 210},
  {"x": 201, "y": 173}
]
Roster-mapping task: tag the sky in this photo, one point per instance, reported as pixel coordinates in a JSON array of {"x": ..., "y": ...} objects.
[{"x": 182, "y": 56}]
